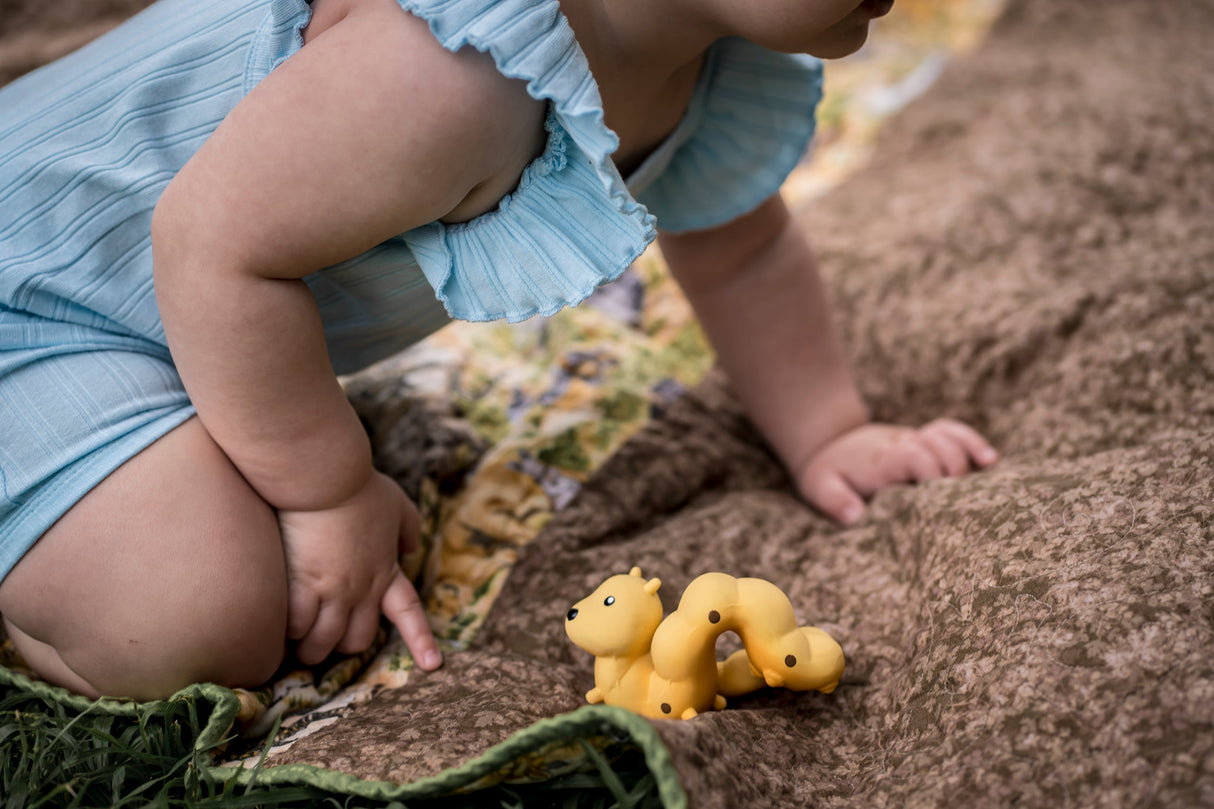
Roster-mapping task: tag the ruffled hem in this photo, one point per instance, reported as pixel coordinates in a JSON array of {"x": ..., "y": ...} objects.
[
  {"x": 753, "y": 125},
  {"x": 553, "y": 241},
  {"x": 572, "y": 224}
]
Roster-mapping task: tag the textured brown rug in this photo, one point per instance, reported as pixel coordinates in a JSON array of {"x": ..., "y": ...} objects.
[{"x": 1032, "y": 249}]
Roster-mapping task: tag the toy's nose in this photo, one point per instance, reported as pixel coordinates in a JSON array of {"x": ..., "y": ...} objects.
[{"x": 569, "y": 616}]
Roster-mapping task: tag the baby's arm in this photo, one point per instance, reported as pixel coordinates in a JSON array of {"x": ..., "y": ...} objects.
[
  {"x": 369, "y": 130},
  {"x": 754, "y": 285}
]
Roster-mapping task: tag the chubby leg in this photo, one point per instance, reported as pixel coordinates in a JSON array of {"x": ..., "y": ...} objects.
[{"x": 170, "y": 571}]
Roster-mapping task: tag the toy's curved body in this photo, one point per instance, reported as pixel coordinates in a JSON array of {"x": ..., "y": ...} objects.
[{"x": 668, "y": 667}]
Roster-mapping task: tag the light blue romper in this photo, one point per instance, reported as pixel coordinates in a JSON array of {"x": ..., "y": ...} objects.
[{"x": 88, "y": 143}]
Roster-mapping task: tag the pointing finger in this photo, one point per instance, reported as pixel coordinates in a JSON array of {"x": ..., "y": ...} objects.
[{"x": 404, "y": 609}]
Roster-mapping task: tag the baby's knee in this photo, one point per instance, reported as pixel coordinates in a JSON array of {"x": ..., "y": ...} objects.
[
  {"x": 232, "y": 634},
  {"x": 229, "y": 624},
  {"x": 220, "y": 617},
  {"x": 170, "y": 571},
  {"x": 235, "y": 642},
  {"x": 235, "y": 638},
  {"x": 242, "y": 631},
  {"x": 225, "y": 587}
]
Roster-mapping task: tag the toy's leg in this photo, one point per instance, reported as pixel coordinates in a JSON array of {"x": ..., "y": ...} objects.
[{"x": 736, "y": 677}]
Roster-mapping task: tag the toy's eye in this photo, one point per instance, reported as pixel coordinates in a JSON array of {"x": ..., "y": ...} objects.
[{"x": 608, "y": 601}]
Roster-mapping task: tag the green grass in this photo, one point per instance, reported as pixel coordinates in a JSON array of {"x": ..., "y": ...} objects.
[{"x": 54, "y": 756}]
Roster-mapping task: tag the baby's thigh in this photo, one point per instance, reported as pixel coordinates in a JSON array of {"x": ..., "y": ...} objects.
[{"x": 169, "y": 569}]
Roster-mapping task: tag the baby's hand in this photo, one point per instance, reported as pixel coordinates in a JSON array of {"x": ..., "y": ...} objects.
[
  {"x": 342, "y": 570},
  {"x": 859, "y": 463}
]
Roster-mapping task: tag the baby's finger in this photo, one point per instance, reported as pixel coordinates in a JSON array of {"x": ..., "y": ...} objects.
[
  {"x": 360, "y": 631},
  {"x": 920, "y": 463},
  {"x": 302, "y": 606},
  {"x": 977, "y": 447},
  {"x": 329, "y": 628},
  {"x": 951, "y": 455},
  {"x": 833, "y": 496},
  {"x": 404, "y": 609}
]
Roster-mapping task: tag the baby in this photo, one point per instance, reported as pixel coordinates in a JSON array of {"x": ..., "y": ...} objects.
[{"x": 210, "y": 212}]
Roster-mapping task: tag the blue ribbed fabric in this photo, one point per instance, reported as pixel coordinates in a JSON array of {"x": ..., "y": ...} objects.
[{"x": 88, "y": 143}]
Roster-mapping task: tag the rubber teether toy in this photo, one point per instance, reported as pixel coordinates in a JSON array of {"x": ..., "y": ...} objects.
[{"x": 668, "y": 668}]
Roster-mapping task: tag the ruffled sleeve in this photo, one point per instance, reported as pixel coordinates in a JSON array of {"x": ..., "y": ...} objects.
[
  {"x": 750, "y": 122},
  {"x": 571, "y": 225}
]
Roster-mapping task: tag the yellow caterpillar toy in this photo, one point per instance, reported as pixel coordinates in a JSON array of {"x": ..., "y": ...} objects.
[{"x": 668, "y": 668}]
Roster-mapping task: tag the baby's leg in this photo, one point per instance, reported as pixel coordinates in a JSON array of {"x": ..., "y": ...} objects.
[{"x": 170, "y": 571}]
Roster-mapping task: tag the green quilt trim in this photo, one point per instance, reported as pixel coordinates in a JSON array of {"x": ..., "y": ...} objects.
[
  {"x": 588, "y": 723},
  {"x": 213, "y": 710}
]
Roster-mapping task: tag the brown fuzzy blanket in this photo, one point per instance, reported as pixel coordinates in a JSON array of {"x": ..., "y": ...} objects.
[{"x": 1032, "y": 250}]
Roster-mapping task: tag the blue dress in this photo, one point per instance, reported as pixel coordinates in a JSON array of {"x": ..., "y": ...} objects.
[{"x": 88, "y": 143}]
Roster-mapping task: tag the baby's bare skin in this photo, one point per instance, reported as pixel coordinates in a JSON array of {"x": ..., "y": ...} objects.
[{"x": 269, "y": 496}]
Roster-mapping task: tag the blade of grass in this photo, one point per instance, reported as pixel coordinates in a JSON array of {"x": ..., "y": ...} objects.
[
  {"x": 265, "y": 751},
  {"x": 69, "y": 725},
  {"x": 610, "y": 778}
]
